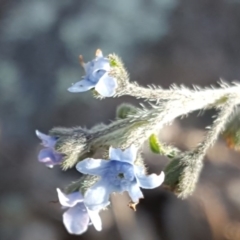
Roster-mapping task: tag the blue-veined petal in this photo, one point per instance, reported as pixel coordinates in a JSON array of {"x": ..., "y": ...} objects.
[
  {"x": 76, "y": 219},
  {"x": 134, "y": 192},
  {"x": 128, "y": 155},
  {"x": 95, "y": 219},
  {"x": 148, "y": 181},
  {"x": 92, "y": 166},
  {"x": 106, "y": 86},
  {"x": 69, "y": 200},
  {"x": 97, "y": 196},
  {"x": 81, "y": 86}
]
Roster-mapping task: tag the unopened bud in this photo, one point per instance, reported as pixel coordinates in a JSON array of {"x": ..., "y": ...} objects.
[
  {"x": 72, "y": 144},
  {"x": 125, "y": 110}
]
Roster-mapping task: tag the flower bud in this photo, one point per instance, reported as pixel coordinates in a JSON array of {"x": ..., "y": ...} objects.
[
  {"x": 182, "y": 174},
  {"x": 124, "y": 110},
  {"x": 72, "y": 144}
]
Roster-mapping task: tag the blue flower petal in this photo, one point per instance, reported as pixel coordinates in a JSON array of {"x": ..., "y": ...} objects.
[
  {"x": 101, "y": 63},
  {"x": 97, "y": 196},
  {"x": 128, "y": 155},
  {"x": 88, "y": 67},
  {"x": 95, "y": 76},
  {"x": 95, "y": 219},
  {"x": 149, "y": 181},
  {"x": 46, "y": 156},
  {"x": 92, "y": 166},
  {"x": 96, "y": 68},
  {"x": 47, "y": 141},
  {"x": 81, "y": 86},
  {"x": 69, "y": 200},
  {"x": 76, "y": 219},
  {"x": 115, "y": 153},
  {"x": 134, "y": 192},
  {"x": 49, "y": 157},
  {"x": 106, "y": 86}
]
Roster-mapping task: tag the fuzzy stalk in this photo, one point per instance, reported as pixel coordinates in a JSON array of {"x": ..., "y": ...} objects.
[
  {"x": 193, "y": 161},
  {"x": 136, "y": 128},
  {"x": 154, "y": 93}
]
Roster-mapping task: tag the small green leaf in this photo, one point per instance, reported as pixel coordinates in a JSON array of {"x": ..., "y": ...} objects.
[
  {"x": 154, "y": 144},
  {"x": 113, "y": 62},
  {"x": 161, "y": 148}
]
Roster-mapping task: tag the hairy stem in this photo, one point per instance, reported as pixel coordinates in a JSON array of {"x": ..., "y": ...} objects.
[
  {"x": 150, "y": 121},
  {"x": 176, "y": 93},
  {"x": 217, "y": 127},
  {"x": 193, "y": 161}
]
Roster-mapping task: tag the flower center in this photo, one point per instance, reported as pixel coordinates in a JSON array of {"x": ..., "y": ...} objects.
[{"x": 120, "y": 174}]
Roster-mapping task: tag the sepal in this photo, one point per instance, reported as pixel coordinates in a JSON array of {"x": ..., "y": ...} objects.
[
  {"x": 182, "y": 174},
  {"x": 82, "y": 185},
  {"x": 72, "y": 144},
  {"x": 159, "y": 148},
  {"x": 124, "y": 110}
]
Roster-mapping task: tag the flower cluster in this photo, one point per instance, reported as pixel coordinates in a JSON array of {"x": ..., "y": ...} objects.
[
  {"x": 120, "y": 173},
  {"x": 116, "y": 175},
  {"x": 124, "y": 168}
]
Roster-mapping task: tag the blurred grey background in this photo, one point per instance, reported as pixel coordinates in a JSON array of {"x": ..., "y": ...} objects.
[{"x": 161, "y": 42}]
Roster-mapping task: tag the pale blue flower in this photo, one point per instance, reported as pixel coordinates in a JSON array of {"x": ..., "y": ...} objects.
[
  {"x": 48, "y": 155},
  {"x": 118, "y": 174},
  {"x": 77, "y": 218},
  {"x": 96, "y": 77}
]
